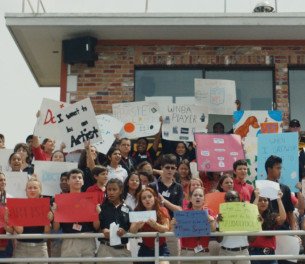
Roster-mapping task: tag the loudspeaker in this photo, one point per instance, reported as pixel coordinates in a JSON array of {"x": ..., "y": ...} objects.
[{"x": 80, "y": 50}]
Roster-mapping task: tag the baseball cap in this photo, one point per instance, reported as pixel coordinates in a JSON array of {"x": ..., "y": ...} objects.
[{"x": 294, "y": 123}]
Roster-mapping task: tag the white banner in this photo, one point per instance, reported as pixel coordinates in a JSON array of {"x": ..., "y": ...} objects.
[
  {"x": 180, "y": 121},
  {"x": 218, "y": 95},
  {"x": 140, "y": 119},
  {"x": 16, "y": 183},
  {"x": 4, "y": 156},
  {"x": 77, "y": 124}
]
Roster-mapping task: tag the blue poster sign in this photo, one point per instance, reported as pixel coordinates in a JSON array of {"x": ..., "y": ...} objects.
[{"x": 284, "y": 145}]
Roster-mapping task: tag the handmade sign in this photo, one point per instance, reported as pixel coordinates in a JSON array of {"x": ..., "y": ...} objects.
[
  {"x": 108, "y": 126},
  {"x": 46, "y": 124},
  {"x": 218, "y": 95},
  {"x": 4, "y": 156},
  {"x": 138, "y": 216},
  {"x": 250, "y": 149},
  {"x": 49, "y": 173},
  {"x": 213, "y": 201},
  {"x": 284, "y": 145},
  {"x": 76, "y": 207},
  {"x": 77, "y": 124},
  {"x": 268, "y": 189},
  {"x": 15, "y": 183},
  {"x": 288, "y": 245},
  {"x": 237, "y": 216},
  {"x": 252, "y": 123},
  {"x": 185, "y": 100},
  {"x": 29, "y": 211},
  {"x": 192, "y": 223},
  {"x": 217, "y": 152},
  {"x": 140, "y": 119},
  {"x": 180, "y": 121}
]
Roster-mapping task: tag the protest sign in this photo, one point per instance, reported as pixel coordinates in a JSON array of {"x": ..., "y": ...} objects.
[
  {"x": 108, "y": 126},
  {"x": 29, "y": 211},
  {"x": 217, "y": 152},
  {"x": 159, "y": 99},
  {"x": 213, "y": 200},
  {"x": 46, "y": 124},
  {"x": 285, "y": 146},
  {"x": 250, "y": 149},
  {"x": 252, "y": 123},
  {"x": 268, "y": 189},
  {"x": 4, "y": 156},
  {"x": 218, "y": 95},
  {"x": 180, "y": 121},
  {"x": 140, "y": 119},
  {"x": 77, "y": 124},
  {"x": 73, "y": 156},
  {"x": 192, "y": 223},
  {"x": 237, "y": 216},
  {"x": 138, "y": 216},
  {"x": 76, "y": 207},
  {"x": 15, "y": 183},
  {"x": 48, "y": 173},
  {"x": 185, "y": 100},
  {"x": 287, "y": 245}
]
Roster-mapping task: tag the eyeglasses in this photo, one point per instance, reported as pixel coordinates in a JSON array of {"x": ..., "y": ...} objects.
[{"x": 170, "y": 167}]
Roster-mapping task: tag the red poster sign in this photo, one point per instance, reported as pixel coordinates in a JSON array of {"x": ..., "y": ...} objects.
[
  {"x": 217, "y": 152},
  {"x": 28, "y": 211},
  {"x": 76, "y": 207},
  {"x": 213, "y": 200}
]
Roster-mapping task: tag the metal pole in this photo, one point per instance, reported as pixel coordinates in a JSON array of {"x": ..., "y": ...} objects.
[
  {"x": 157, "y": 249},
  {"x": 146, "y": 6},
  {"x": 225, "y": 6},
  {"x": 275, "y": 6}
]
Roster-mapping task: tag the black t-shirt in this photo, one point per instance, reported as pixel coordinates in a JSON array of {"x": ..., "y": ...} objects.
[
  {"x": 32, "y": 230},
  {"x": 149, "y": 156},
  {"x": 128, "y": 164},
  {"x": 119, "y": 215}
]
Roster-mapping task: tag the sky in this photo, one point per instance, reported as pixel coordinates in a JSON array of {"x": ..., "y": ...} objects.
[{"x": 20, "y": 95}]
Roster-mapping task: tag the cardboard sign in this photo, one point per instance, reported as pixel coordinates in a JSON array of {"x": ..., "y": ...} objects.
[
  {"x": 46, "y": 124},
  {"x": 108, "y": 126},
  {"x": 192, "y": 223},
  {"x": 250, "y": 149},
  {"x": 77, "y": 124},
  {"x": 213, "y": 201},
  {"x": 180, "y": 121},
  {"x": 4, "y": 156},
  {"x": 284, "y": 145},
  {"x": 16, "y": 183},
  {"x": 48, "y": 173},
  {"x": 218, "y": 95},
  {"x": 140, "y": 119},
  {"x": 76, "y": 207},
  {"x": 252, "y": 123},
  {"x": 268, "y": 189},
  {"x": 218, "y": 152},
  {"x": 138, "y": 216},
  {"x": 185, "y": 100},
  {"x": 28, "y": 212},
  {"x": 237, "y": 216},
  {"x": 287, "y": 245}
]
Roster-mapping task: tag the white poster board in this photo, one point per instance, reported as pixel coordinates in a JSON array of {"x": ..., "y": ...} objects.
[
  {"x": 4, "y": 156},
  {"x": 218, "y": 95},
  {"x": 77, "y": 124},
  {"x": 16, "y": 183},
  {"x": 185, "y": 100},
  {"x": 108, "y": 126},
  {"x": 48, "y": 173},
  {"x": 287, "y": 245},
  {"x": 181, "y": 121},
  {"x": 140, "y": 119}
]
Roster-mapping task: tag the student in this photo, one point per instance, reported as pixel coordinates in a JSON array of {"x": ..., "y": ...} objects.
[
  {"x": 194, "y": 183},
  {"x": 244, "y": 189},
  {"x": 146, "y": 178},
  {"x": 148, "y": 200},
  {"x": 132, "y": 186},
  {"x": 15, "y": 162},
  {"x": 233, "y": 245},
  {"x": 265, "y": 245},
  {"x": 113, "y": 210},
  {"x": 100, "y": 174},
  {"x": 58, "y": 156},
  {"x": 225, "y": 183},
  {"x": 197, "y": 246},
  {"x": 23, "y": 150},
  {"x": 185, "y": 175},
  {"x": 35, "y": 248},
  {"x": 43, "y": 151},
  {"x": 82, "y": 247},
  {"x": 64, "y": 186},
  {"x": 115, "y": 170},
  {"x": 181, "y": 152},
  {"x": 126, "y": 161},
  {"x": 2, "y": 141}
]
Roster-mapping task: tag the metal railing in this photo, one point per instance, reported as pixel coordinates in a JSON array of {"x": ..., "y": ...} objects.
[
  {"x": 29, "y": 3},
  {"x": 156, "y": 258}
]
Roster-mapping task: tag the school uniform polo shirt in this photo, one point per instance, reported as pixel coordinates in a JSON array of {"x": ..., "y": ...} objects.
[
  {"x": 118, "y": 173},
  {"x": 244, "y": 189},
  {"x": 98, "y": 190}
]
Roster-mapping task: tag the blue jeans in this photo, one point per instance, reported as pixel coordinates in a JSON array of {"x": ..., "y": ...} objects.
[
  {"x": 261, "y": 251},
  {"x": 8, "y": 252},
  {"x": 145, "y": 251}
]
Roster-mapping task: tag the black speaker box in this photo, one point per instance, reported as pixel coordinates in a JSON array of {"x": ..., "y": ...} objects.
[{"x": 80, "y": 50}]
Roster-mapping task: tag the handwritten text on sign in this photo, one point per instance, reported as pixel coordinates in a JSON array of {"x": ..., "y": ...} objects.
[
  {"x": 237, "y": 216},
  {"x": 28, "y": 212},
  {"x": 192, "y": 223}
]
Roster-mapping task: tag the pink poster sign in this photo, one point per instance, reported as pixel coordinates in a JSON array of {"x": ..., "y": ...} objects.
[{"x": 217, "y": 152}]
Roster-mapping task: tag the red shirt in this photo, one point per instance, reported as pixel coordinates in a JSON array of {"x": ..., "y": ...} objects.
[
  {"x": 95, "y": 188},
  {"x": 264, "y": 242},
  {"x": 39, "y": 154},
  {"x": 244, "y": 189},
  {"x": 192, "y": 242},
  {"x": 3, "y": 242}
]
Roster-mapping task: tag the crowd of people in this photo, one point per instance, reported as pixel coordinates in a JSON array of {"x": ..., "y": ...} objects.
[{"x": 142, "y": 178}]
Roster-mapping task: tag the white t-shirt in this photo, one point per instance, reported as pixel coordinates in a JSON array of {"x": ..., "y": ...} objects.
[
  {"x": 118, "y": 173},
  {"x": 234, "y": 241}
]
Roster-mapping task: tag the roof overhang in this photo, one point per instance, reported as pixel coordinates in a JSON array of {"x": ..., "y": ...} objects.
[{"x": 39, "y": 36}]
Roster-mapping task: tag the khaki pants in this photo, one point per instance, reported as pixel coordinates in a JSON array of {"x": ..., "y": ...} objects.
[
  {"x": 108, "y": 251},
  {"x": 224, "y": 252},
  {"x": 214, "y": 248},
  {"x": 191, "y": 253},
  {"x": 78, "y": 247},
  {"x": 173, "y": 245},
  {"x": 31, "y": 250}
]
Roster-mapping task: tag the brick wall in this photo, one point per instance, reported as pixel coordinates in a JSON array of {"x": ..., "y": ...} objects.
[{"x": 112, "y": 78}]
